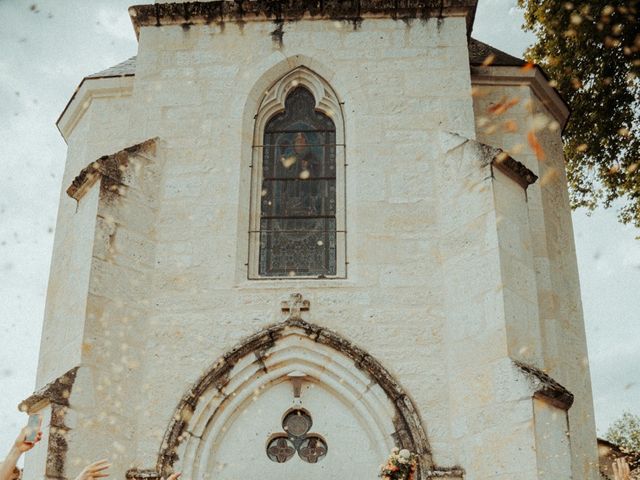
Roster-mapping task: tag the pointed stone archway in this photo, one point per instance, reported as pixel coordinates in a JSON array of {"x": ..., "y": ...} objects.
[{"x": 245, "y": 390}]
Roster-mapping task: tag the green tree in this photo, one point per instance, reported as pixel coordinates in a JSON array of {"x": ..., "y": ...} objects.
[
  {"x": 591, "y": 52},
  {"x": 625, "y": 432}
]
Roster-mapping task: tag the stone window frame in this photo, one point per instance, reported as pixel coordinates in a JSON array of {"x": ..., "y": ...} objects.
[{"x": 273, "y": 103}]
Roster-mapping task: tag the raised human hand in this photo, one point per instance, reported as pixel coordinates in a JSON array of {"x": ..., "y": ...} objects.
[
  {"x": 94, "y": 470},
  {"x": 21, "y": 444},
  {"x": 621, "y": 469}
]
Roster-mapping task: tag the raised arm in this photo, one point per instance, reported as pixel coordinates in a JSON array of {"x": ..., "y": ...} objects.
[
  {"x": 19, "y": 447},
  {"x": 94, "y": 471}
]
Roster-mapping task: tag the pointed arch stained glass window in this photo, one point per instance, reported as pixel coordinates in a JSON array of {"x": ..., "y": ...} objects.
[{"x": 298, "y": 198}]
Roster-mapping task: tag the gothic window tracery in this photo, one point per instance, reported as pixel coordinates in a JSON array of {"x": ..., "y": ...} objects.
[
  {"x": 311, "y": 447},
  {"x": 298, "y": 194}
]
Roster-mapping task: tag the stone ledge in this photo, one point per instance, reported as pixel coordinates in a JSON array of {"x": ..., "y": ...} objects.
[
  {"x": 142, "y": 474},
  {"x": 57, "y": 392},
  {"x": 441, "y": 473},
  {"x": 446, "y": 473},
  {"x": 546, "y": 387},
  {"x": 240, "y": 11},
  {"x": 514, "y": 170},
  {"x": 454, "y": 473},
  {"x": 109, "y": 168}
]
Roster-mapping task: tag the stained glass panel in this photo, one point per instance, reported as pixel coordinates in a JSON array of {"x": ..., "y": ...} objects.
[
  {"x": 280, "y": 449},
  {"x": 298, "y": 203},
  {"x": 312, "y": 449},
  {"x": 297, "y": 423}
]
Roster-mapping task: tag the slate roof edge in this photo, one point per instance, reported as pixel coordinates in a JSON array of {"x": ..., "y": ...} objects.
[
  {"x": 479, "y": 53},
  {"x": 121, "y": 69},
  {"x": 119, "y": 84}
]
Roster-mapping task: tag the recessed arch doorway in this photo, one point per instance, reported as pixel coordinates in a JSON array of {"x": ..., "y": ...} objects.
[{"x": 232, "y": 424}]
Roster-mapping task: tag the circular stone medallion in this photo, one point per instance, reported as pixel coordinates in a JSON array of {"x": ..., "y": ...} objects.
[{"x": 297, "y": 423}]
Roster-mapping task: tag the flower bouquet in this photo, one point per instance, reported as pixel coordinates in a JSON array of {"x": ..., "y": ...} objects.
[{"x": 401, "y": 465}]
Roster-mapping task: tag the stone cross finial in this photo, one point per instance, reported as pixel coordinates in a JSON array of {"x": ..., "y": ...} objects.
[{"x": 294, "y": 306}]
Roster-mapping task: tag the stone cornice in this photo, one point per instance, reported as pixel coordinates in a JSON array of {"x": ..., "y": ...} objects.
[
  {"x": 142, "y": 474},
  {"x": 89, "y": 89},
  {"x": 534, "y": 78},
  {"x": 107, "y": 167},
  {"x": 514, "y": 170},
  {"x": 57, "y": 391},
  {"x": 239, "y": 11},
  {"x": 546, "y": 387},
  {"x": 454, "y": 473},
  {"x": 55, "y": 395}
]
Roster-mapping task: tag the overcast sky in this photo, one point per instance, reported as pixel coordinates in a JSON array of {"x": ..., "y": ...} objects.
[{"x": 45, "y": 50}]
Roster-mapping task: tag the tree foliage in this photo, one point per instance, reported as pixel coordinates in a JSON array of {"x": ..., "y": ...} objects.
[
  {"x": 625, "y": 432},
  {"x": 591, "y": 52}
]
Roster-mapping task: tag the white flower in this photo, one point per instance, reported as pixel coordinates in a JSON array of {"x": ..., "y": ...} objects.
[
  {"x": 402, "y": 460},
  {"x": 404, "y": 453},
  {"x": 395, "y": 450}
]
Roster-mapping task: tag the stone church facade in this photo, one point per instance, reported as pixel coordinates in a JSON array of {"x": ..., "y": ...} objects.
[{"x": 295, "y": 234}]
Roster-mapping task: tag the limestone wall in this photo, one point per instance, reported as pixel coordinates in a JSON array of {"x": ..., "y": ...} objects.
[
  {"x": 103, "y": 129},
  {"x": 400, "y": 85},
  {"x": 547, "y": 242}
]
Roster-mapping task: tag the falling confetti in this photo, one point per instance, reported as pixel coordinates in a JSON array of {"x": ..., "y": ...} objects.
[
  {"x": 535, "y": 145},
  {"x": 503, "y": 105}
]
